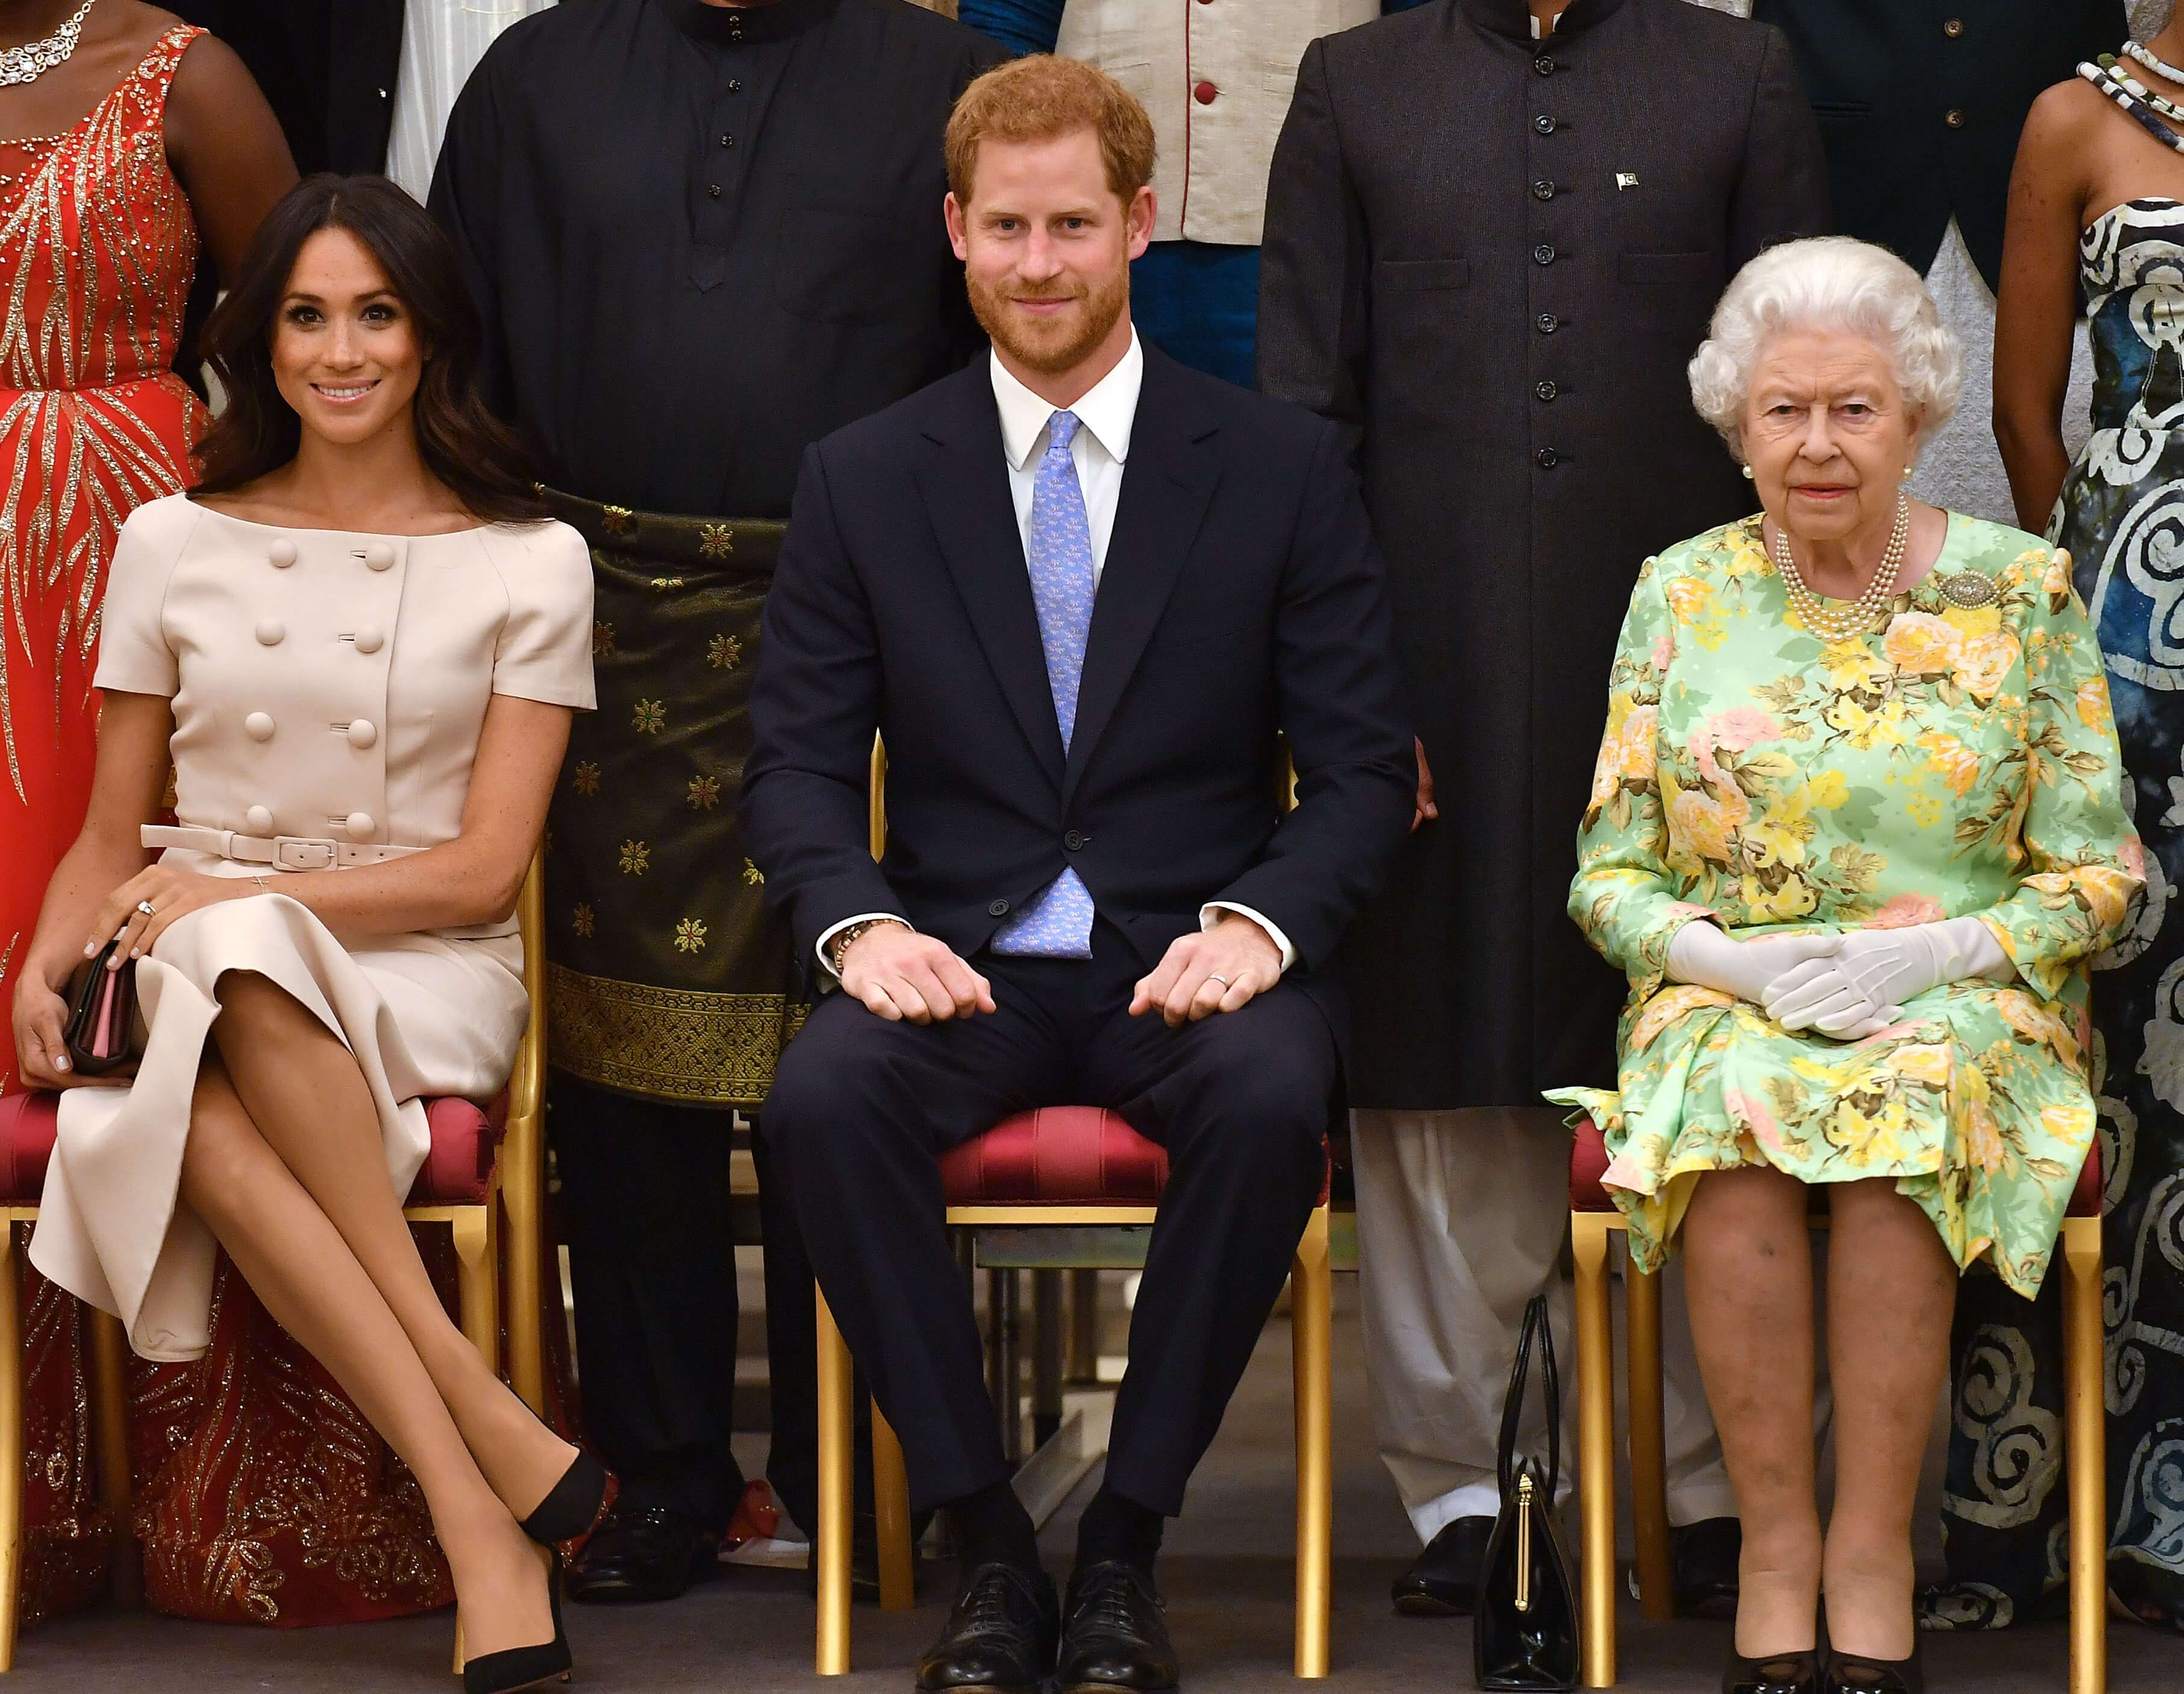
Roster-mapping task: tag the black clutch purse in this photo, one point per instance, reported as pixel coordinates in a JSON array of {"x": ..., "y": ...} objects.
[
  {"x": 1524, "y": 1636},
  {"x": 101, "y": 1031}
]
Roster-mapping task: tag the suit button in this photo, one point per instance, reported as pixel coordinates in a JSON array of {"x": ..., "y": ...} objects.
[
  {"x": 259, "y": 727},
  {"x": 258, "y": 820},
  {"x": 1545, "y": 390},
  {"x": 281, "y": 553},
  {"x": 1544, "y": 65},
  {"x": 1543, "y": 254},
  {"x": 1548, "y": 457},
  {"x": 1954, "y": 118},
  {"x": 1075, "y": 841},
  {"x": 1544, "y": 123},
  {"x": 270, "y": 632},
  {"x": 362, "y": 732},
  {"x": 1953, "y": 28},
  {"x": 1000, "y": 908},
  {"x": 1547, "y": 323},
  {"x": 379, "y": 556},
  {"x": 370, "y": 638},
  {"x": 360, "y": 826},
  {"x": 1543, "y": 190},
  {"x": 1204, "y": 93}
]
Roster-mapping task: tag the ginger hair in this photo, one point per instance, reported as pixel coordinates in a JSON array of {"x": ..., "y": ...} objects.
[{"x": 1039, "y": 98}]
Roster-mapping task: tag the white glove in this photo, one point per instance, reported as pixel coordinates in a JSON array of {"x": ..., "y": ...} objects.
[
  {"x": 1702, "y": 955},
  {"x": 1867, "y": 984}
]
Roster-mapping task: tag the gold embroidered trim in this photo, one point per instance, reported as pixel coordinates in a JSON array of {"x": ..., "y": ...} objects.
[{"x": 668, "y": 1043}]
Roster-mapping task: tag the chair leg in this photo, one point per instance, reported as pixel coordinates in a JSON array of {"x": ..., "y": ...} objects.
[
  {"x": 1311, "y": 1324},
  {"x": 1649, "y": 1462},
  {"x": 1596, "y": 1442},
  {"x": 891, "y": 1509},
  {"x": 831, "y": 1534},
  {"x": 520, "y": 1247},
  {"x": 108, "y": 1371},
  {"x": 2086, "y": 1453},
  {"x": 477, "y": 1282},
  {"x": 11, "y": 1447}
]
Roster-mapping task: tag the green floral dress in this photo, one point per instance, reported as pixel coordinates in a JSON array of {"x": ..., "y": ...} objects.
[{"x": 1958, "y": 761}]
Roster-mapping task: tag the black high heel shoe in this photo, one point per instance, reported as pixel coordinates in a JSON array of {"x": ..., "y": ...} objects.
[
  {"x": 572, "y": 1505},
  {"x": 1778, "y": 1673},
  {"x": 515, "y": 1669},
  {"x": 1851, "y": 1673}
]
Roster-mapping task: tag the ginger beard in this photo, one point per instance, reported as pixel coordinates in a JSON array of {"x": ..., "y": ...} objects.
[{"x": 1050, "y": 344}]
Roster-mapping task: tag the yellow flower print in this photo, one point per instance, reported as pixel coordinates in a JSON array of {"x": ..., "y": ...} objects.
[
  {"x": 1702, "y": 825},
  {"x": 2033, "y": 1022},
  {"x": 1970, "y": 621},
  {"x": 1828, "y": 790},
  {"x": 1849, "y": 665},
  {"x": 2094, "y": 710},
  {"x": 1865, "y": 728},
  {"x": 2055, "y": 578},
  {"x": 1921, "y": 643},
  {"x": 2070, "y": 1122},
  {"x": 1779, "y": 835},
  {"x": 1744, "y": 556},
  {"x": 1928, "y": 1065},
  {"x": 1669, "y": 1004},
  {"x": 1983, "y": 1143},
  {"x": 1637, "y": 744},
  {"x": 1952, "y": 761},
  {"x": 1985, "y": 663},
  {"x": 2108, "y": 892},
  {"x": 1794, "y": 900},
  {"x": 1690, "y": 600},
  {"x": 1868, "y": 1138}
]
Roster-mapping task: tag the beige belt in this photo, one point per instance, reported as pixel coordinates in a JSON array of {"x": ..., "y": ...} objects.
[{"x": 282, "y": 852}]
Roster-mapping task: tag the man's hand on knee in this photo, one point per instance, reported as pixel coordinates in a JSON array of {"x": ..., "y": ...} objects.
[
  {"x": 1219, "y": 971},
  {"x": 899, "y": 974}
]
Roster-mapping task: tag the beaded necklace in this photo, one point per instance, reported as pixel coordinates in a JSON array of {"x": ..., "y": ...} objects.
[
  {"x": 1830, "y": 625},
  {"x": 2139, "y": 111}
]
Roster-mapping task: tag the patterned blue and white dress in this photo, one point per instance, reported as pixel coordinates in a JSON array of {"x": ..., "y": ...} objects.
[{"x": 2121, "y": 516}]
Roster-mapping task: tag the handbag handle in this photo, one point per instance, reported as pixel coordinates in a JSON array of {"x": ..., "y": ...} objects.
[{"x": 1535, "y": 1324}]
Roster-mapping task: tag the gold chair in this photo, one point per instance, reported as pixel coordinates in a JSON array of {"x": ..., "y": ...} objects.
[
  {"x": 470, "y": 1180},
  {"x": 1310, "y": 1298},
  {"x": 1593, "y": 1219}
]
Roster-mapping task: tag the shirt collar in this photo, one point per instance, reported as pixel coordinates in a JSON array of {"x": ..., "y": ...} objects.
[
  {"x": 1108, "y": 409},
  {"x": 1513, "y": 18},
  {"x": 735, "y": 26}
]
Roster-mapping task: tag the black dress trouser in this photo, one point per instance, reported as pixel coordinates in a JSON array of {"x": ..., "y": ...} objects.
[
  {"x": 644, "y": 1207},
  {"x": 861, "y": 1108}
]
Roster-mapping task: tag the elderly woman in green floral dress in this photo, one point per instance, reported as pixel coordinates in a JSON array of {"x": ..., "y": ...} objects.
[{"x": 1854, "y": 832}]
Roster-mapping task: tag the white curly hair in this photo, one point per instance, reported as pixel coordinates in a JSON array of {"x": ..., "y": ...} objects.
[{"x": 1827, "y": 282}]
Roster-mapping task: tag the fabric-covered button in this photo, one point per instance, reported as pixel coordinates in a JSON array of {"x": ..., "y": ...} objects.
[
  {"x": 281, "y": 553},
  {"x": 270, "y": 630},
  {"x": 1204, "y": 93},
  {"x": 258, "y": 820},
  {"x": 380, "y": 556},
  {"x": 259, "y": 727},
  {"x": 360, "y": 826},
  {"x": 1000, "y": 908},
  {"x": 370, "y": 638},
  {"x": 362, "y": 732}
]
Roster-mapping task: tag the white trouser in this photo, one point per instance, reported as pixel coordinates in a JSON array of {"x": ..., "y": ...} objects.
[{"x": 1460, "y": 1219}]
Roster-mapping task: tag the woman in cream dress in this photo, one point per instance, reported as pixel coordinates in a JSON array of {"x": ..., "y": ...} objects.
[{"x": 361, "y": 653}]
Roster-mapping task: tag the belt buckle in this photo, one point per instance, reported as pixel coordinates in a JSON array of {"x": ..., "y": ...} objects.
[{"x": 282, "y": 845}]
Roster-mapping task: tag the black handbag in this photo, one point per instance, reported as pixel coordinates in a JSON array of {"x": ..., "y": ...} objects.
[
  {"x": 1524, "y": 1634},
  {"x": 101, "y": 1031}
]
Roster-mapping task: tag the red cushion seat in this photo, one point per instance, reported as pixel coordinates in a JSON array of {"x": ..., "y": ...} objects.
[
  {"x": 1588, "y": 1164},
  {"x": 465, "y": 1140},
  {"x": 1056, "y": 1155}
]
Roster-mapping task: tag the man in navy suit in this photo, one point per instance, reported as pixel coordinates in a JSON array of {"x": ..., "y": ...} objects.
[{"x": 1082, "y": 591}]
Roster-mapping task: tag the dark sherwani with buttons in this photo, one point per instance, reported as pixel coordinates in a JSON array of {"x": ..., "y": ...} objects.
[
  {"x": 1491, "y": 258},
  {"x": 701, "y": 239}
]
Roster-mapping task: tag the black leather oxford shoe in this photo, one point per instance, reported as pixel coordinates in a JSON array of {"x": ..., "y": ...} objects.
[
  {"x": 1443, "y": 1580},
  {"x": 640, "y": 1554},
  {"x": 1114, "y": 1633},
  {"x": 999, "y": 1638}
]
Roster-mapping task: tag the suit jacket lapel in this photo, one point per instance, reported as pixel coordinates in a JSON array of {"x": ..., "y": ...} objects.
[
  {"x": 1166, "y": 486},
  {"x": 964, "y": 483}
]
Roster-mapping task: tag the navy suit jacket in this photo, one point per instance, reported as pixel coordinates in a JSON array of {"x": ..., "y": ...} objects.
[{"x": 1241, "y": 598}]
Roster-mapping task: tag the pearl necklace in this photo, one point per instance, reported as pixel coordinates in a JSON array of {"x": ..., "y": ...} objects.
[
  {"x": 2145, "y": 55},
  {"x": 33, "y": 59},
  {"x": 1841, "y": 625}
]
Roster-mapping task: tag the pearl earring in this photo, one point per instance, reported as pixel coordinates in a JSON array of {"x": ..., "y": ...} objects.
[{"x": 1747, "y": 473}]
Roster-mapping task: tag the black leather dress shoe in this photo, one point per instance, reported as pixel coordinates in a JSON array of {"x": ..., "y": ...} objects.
[
  {"x": 1703, "y": 1567},
  {"x": 1114, "y": 1633},
  {"x": 642, "y": 1553},
  {"x": 1443, "y": 1580},
  {"x": 999, "y": 1638}
]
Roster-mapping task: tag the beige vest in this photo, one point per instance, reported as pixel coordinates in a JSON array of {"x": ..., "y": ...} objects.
[{"x": 1217, "y": 77}]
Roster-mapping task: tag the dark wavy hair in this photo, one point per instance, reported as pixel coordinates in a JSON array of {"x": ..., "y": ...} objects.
[{"x": 473, "y": 453}]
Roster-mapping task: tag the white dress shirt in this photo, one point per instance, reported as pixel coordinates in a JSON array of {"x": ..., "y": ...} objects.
[{"x": 1100, "y": 450}]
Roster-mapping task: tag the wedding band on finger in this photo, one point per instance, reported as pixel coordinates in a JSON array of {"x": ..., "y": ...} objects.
[
  {"x": 148, "y": 908},
  {"x": 1212, "y": 977}
]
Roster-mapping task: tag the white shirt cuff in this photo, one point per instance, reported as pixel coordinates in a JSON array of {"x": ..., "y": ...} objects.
[
  {"x": 1207, "y": 919},
  {"x": 826, "y": 949}
]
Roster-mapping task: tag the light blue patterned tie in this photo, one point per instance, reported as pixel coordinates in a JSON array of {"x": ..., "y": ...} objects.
[{"x": 1058, "y": 923}]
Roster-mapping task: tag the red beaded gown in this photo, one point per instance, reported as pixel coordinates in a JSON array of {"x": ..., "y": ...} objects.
[{"x": 261, "y": 1495}]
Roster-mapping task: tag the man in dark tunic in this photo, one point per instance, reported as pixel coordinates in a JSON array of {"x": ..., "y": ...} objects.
[
  {"x": 1495, "y": 233},
  {"x": 703, "y": 235}
]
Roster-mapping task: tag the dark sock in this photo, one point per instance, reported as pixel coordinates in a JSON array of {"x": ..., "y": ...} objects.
[
  {"x": 993, "y": 1528},
  {"x": 1113, "y": 1527}
]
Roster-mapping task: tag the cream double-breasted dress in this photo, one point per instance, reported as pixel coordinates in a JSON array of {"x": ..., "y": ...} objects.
[{"x": 329, "y": 687}]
